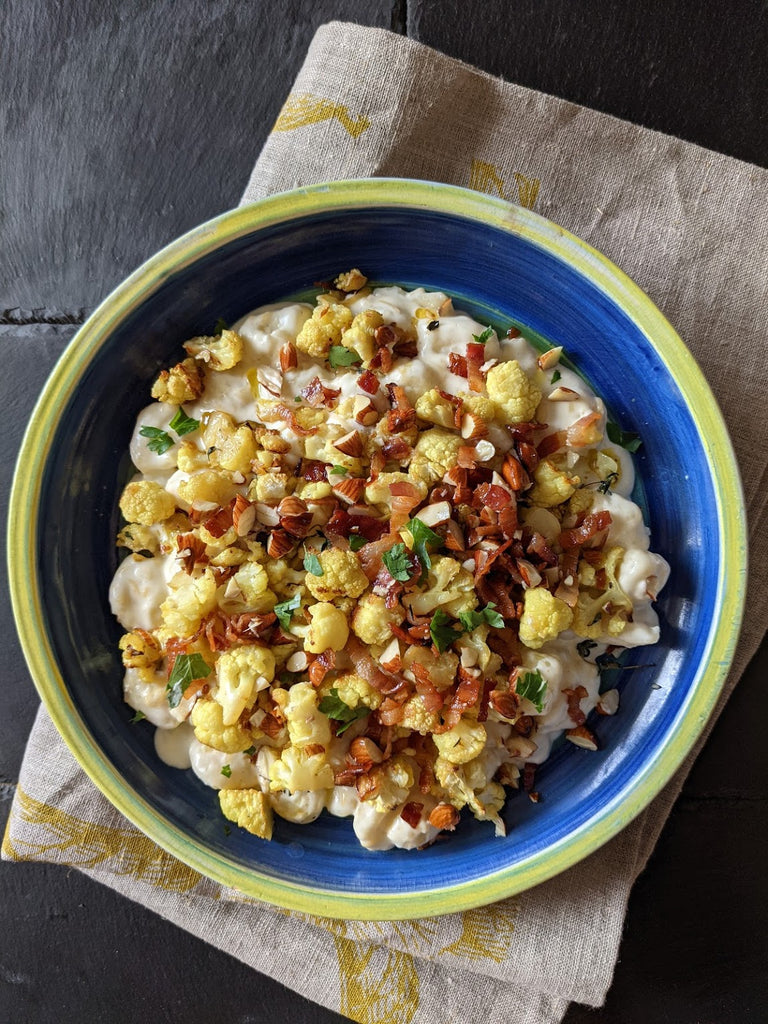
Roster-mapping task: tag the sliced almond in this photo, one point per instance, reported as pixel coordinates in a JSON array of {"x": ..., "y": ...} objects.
[
  {"x": 550, "y": 358},
  {"x": 484, "y": 451},
  {"x": 563, "y": 395},
  {"x": 265, "y": 514},
  {"x": 289, "y": 357},
  {"x": 364, "y": 411},
  {"x": 390, "y": 652},
  {"x": 473, "y": 427},
  {"x": 582, "y": 737},
  {"x": 297, "y": 662},
  {"x": 350, "y": 489},
  {"x": 350, "y": 444},
  {"x": 436, "y": 513},
  {"x": 445, "y": 307},
  {"x": 279, "y": 543},
  {"x": 365, "y": 752},
  {"x": 243, "y": 516},
  {"x": 608, "y": 704},
  {"x": 444, "y": 816},
  {"x": 505, "y": 703}
]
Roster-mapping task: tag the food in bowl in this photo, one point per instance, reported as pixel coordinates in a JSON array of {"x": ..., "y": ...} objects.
[{"x": 376, "y": 553}]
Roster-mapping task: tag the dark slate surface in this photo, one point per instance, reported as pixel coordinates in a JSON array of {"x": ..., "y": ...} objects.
[{"x": 125, "y": 124}]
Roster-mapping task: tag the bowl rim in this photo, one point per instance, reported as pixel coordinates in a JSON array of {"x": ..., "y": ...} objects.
[{"x": 701, "y": 404}]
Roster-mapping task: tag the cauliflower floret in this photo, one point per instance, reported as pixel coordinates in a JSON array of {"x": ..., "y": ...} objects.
[
  {"x": 432, "y": 407},
  {"x": 351, "y": 280},
  {"x": 249, "y": 809},
  {"x": 207, "y": 489},
  {"x": 467, "y": 785},
  {"x": 220, "y": 352},
  {"x": 395, "y": 780},
  {"x": 601, "y": 612},
  {"x": 323, "y": 329},
  {"x": 479, "y": 405},
  {"x": 435, "y": 453},
  {"x": 581, "y": 501},
  {"x": 544, "y": 617},
  {"x": 253, "y": 583},
  {"x": 478, "y": 653},
  {"x": 184, "y": 382},
  {"x": 296, "y": 770},
  {"x": 305, "y": 723},
  {"x": 208, "y": 722},
  {"x": 137, "y": 538},
  {"x": 464, "y": 742},
  {"x": 342, "y": 576},
  {"x": 140, "y": 649},
  {"x": 145, "y": 502},
  {"x": 270, "y": 488},
  {"x": 236, "y": 450},
  {"x": 417, "y": 718},
  {"x": 513, "y": 393},
  {"x": 190, "y": 458},
  {"x": 189, "y": 601},
  {"x": 359, "y": 335},
  {"x": 449, "y": 586},
  {"x": 378, "y": 491},
  {"x": 353, "y": 690},
  {"x": 442, "y": 670},
  {"x": 241, "y": 673},
  {"x": 372, "y": 620},
  {"x": 328, "y": 628},
  {"x": 311, "y": 490},
  {"x": 552, "y": 486}
]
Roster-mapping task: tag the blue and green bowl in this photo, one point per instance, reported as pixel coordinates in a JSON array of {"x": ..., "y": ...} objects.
[{"x": 506, "y": 265}]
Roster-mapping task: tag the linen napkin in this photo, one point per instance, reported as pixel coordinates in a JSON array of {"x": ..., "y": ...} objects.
[{"x": 691, "y": 227}]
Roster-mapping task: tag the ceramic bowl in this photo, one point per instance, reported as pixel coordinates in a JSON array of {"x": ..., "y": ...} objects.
[{"x": 501, "y": 263}]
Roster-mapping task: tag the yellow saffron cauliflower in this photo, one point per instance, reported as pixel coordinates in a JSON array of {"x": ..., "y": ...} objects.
[
  {"x": 395, "y": 779},
  {"x": 449, "y": 586},
  {"x": 372, "y": 620},
  {"x": 323, "y": 329},
  {"x": 341, "y": 576},
  {"x": 184, "y": 382},
  {"x": 140, "y": 649},
  {"x": 435, "y": 453},
  {"x": 353, "y": 690},
  {"x": 298, "y": 771},
  {"x": 544, "y": 617},
  {"x": 432, "y": 407},
  {"x": 240, "y": 674},
  {"x": 208, "y": 722},
  {"x": 514, "y": 395},
  {"x": 249, "y": 809},
  {"x": 220, "y": 352},
  {"x": 328, "y": 628},
  {"x": 146, "y": 502},
  {"x": 359, "y": 336},
  {"x": 464, "y": 742},
  {"x": 551, "y": 486},
  {"x": 189, "y": 600},
  {"x": 601, "y": 611},
  {"x": 378, "y": 491},
  {"x": 306, "y": 724}
]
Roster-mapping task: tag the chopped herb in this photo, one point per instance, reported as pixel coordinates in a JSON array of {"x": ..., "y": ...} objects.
[
  {"x": 422, "y": 537},
  {"x": 284, "y": 611},
  {"x": 186, "y": 669},
  {"x": 338, "y": 470},
  {"x": 471, "y": 620},
  {"x": 556, "y": 377},
  {"x": 584, "y": 647},
  {"x": 138, "y": 717},
  {"x": 485, "y": 336},
  {"x": 298, "y": 398},
  {"x": 159, "y": 441},
  {"x": 250, "y": 751},
  {"x": 226, "y": 771},
  {"x": 441, "y": 630},
  {"x": 339, "y": 355},
  {"x": 396, "y": 561},
  {"x": 532, "y": 686},
  {"x": 433, "y": 325},
  {"x": 312, "y": 564},
  {"x": 334, "y": 707},
  {"x": 221, "y": 325},
  {"x": 605, "y": 485},
  {"x": 356, "y": 542},
  {"x": 182, "y": 423},
  {"x": 625, "y": 438}
]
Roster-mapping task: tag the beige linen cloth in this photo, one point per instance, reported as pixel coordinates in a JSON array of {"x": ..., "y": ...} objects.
[{"x": 691, "y": 227}]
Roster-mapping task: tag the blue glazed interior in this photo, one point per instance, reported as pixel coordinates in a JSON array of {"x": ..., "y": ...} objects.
[{"x": 487, "y": 271}]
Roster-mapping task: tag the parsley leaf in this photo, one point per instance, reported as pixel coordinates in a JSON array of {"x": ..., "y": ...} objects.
[
  {"x": 584, "y": 647},
  {"x": 532, "y": 686},
  {"x": 186, "y": 669},
  {"x": 334, "y": 707},
  {"x": 226, "y": 771},
  {"x": 284, "y": 611},
  {"x": 182, "y": 423},
  {"x": 556, "y": 377},
  {"x": 472, "y": 619},
  {"x": 339, "y": 355},
  {"x": 355, "y": 542},
  {"x": 396, "y": 561},
  {"x": 250, "y": 751},
  {"x": 485, "y": 336},
  {"x": 159, "y": 442},
  {"x": 312, "y": 563},
  {"x": 338, "y": 471},
  {"x": 138, "y": 717},
  {"x": 221, "y": 325},
  {"x": 298, "y": 398},
  {"x": 441, "y": 630},
  {"x": 422, "y": 537},
  {"x": 625, "y": 438}
]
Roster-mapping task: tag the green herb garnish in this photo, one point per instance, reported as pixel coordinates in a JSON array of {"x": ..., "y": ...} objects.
[
  {"x": 284, "y": 611},
  {"x": 556, "y": 377},
  {"x": 182, "y": 423},
  {"x": 159, "y": 442},
  {"x": 338, "y": 471},
  {"x": 312, "y": 564},
  {"x": 355, "y": 542},
  {"x": 532, "y": 686},
  {"x": 186, "y": 669},
  {"x": 138, "y": 717},
  {"x": 339, "y": 355},
  {"x": 422, "y": 538},
  {"x": 221, "y": 325},
  {"x": 625, "y": 438},
  {"x": 471, "y": 620},
  {"x": 250, "y": 751},
  {"x": 485, "y": 336},
  {"x": 226, "y": 771},
  {"x": 396, "y": 561},
  {"x": 334, "y": 707},
  {"x": 442, "y": 631},
  {"x": 298, "y": 398}
]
